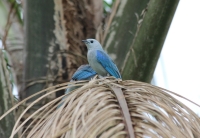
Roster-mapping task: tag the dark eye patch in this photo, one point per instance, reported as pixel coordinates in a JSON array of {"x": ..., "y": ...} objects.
[{"x": 91, "y": 41}]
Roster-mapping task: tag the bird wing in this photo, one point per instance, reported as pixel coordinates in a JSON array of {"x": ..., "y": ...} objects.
[
  {"x": 83, "y": 73},
  {"x": 108, "y": 64}
]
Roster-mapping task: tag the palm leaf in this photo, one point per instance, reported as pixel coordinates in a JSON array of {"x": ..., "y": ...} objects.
[{"x": 97, "y": 110}]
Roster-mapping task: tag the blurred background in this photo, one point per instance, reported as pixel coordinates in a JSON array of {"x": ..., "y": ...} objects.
[{"x": 178, "y": 68}]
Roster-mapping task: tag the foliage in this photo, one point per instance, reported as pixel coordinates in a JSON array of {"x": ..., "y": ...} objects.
[
  {"x": 6, "y": 97},
  {"x": 107, "y": 6}
]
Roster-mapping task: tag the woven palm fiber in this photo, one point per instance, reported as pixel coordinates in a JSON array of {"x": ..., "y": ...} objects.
[{"x": 111, "y": 108}]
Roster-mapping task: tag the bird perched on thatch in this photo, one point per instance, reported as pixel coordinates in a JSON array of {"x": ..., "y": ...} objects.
[
  {"x": 84, "y": 72},
  {"x": 99, "y": 60}
]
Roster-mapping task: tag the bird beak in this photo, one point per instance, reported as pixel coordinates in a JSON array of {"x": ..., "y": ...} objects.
[{"x": 85, "y": 41}]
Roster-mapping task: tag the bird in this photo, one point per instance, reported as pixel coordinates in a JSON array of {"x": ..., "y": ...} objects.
[
  {"x": 99, "y": 60},
  {"x": 84, "y": 72}
]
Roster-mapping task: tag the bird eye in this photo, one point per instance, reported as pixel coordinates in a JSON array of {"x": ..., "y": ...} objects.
[{"x": 91, "y": 41}]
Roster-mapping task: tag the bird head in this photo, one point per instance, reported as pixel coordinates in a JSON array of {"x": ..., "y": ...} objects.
[{"x": 92, "y": 44}]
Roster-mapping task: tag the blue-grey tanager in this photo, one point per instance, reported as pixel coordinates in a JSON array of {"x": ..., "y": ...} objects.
[
  {"x": 84, "y": 72},
  {"x": 99, "y": 60}
]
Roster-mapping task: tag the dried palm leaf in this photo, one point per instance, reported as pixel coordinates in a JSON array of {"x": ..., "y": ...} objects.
[{"x": 109, "y": 108}]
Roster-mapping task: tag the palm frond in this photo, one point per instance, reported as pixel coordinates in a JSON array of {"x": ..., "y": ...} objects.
[{"x": 96, "y": 110}]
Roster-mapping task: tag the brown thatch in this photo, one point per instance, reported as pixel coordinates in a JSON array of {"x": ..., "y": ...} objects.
[{"x": 99, "y": 109}]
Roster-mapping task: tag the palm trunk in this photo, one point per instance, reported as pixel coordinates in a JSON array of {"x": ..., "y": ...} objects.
[
  {"x": 39, "y": 25},
  {"x": 137, "y": 38},
  {"x": 54, "y": 31}
]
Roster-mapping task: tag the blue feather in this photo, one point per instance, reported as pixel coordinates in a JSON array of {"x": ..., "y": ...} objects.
[
  {"x": 108, "y": 64},
  {"x": 84, "y": 72}
]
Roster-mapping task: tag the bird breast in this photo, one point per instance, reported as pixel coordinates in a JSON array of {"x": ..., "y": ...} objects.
[{"x": 96, "y": 66}]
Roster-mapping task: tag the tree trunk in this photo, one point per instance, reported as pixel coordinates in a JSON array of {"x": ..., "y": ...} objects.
[
  {"x": 39, "y": 26},
  {"x": 82, "y": 19},
  {"x": 53, "y": 39},
  {"x": 137, "y": 34}
]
